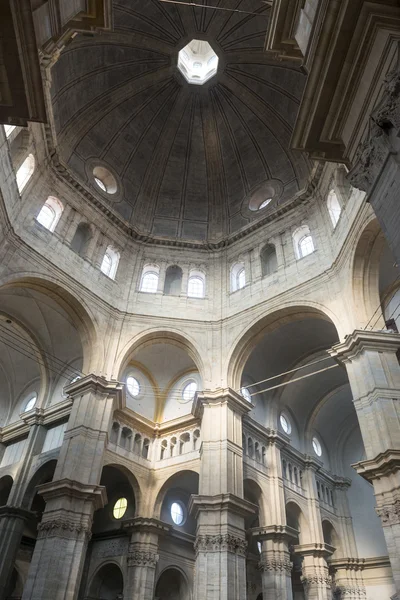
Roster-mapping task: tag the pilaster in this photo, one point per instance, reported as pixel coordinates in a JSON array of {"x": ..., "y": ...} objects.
[
  {"x": 374, "y": 374},
  {"x": 275, "y": 564},
  {"x": 220, "y": 508},
  {"x": 316, "y": 580},
  {"x": 143, "y": 556}
]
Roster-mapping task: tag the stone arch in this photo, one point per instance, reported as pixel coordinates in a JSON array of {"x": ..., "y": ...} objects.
[
  {"x": 365, "y": 272},
  {"x": 331, "y": 536},
  {"x": 296, "y": 519},
  {"x": 247, "y": 340},
  {"x": 43, "y": 474},
  {"x": 132, "y": 480},
  {"x": 6, "y": 484},
  {"x": 169, "y": 336},
  {"x": 107, "y": 582},
  {"x": 74, "y": 306},
  {"x": 169, "y": 484},
  {"x": 174, "y": 580},
  {"x": 254, "y": 493}
]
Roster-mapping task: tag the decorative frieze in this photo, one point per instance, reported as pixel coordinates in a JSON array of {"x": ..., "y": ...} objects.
[
  {"x": 276, "y": 564},
  {"x": 220, "y": 543},
  {"x": 348, "y": 592},
  {"x": 64, "y": 529},
  {"x": 390, "y": 514},
  {"x": 312, "y": 580},
  {"x": 142, "y": 558}
]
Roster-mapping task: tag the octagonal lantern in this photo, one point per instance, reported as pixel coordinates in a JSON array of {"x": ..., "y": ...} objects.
[{"x": 197, "y": 62}]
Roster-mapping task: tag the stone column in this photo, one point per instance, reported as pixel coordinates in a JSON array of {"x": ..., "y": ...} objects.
[
  {"x": 374, "y": 374},
  {"x": 14, "y": 515},
  {"x": 315, "y": 578},
  {"x": 12, "y": 522},
  {"x": 143, "y": 557},
  {"x": 275, "y": 564},
  {"x": 220, "y": 509},
  {"x": 74, "y": 494},
  {"x": 275, "y": 536},
  {"x": 348, "y": 580}
]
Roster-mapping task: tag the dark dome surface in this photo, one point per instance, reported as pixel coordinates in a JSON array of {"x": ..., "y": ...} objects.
[{"x": 187, "y": 159}]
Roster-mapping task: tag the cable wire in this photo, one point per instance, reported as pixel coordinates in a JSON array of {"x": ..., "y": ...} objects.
[
  {"x": 221, "y": 8},
  {"x": 274, "y": 387}
]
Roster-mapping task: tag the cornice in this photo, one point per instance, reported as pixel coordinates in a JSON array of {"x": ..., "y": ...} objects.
[
  {"x": 277, "y": 533},
  {"x": 221, "y": 502},
  {"x": 63, "y": 173},
  {"x": 220, "y": 396},
  {"x": 36, "y": 416},
  {"x": 385, "y": 464},
  {"x": 360, "y": 340}
]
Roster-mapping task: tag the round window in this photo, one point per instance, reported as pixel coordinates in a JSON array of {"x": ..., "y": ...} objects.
[
  {"x": 259, "y": 546},
  {"x": 177, "y": 513},
  {"x": 30, "y": 402},
  {"x": 316, "y": 446},
  {"x": 120, "y": 508},
  {"x": 265, "y": 203},
  {"x": 285, "y": 423},
  {"x": 105, "y": 180},
  {"x": 133, "y": 386},
  {"x": 189, "y": 391},
  {"x": 246, "y": 394}
]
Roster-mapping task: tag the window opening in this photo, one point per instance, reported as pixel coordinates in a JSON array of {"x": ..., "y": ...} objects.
[{"x": 120, "y": 508}]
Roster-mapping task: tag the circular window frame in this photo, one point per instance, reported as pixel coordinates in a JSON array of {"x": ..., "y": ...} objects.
[
  {"x": 28, "y": 398},
  {"x": 184, "y": 385},
  {"x": 100, "y": 169},
  {"x": 184, "y": 512},
  {"x": 134, "y": 376},
  {"x": 271, "y": 189},
  {"x": 284, "y": 416},
  {"x": 316, "y": 446},
  {"x": 114, "y": 506}
]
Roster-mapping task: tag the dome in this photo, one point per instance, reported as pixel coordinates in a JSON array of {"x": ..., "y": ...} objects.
[{"x": 188, "y": 160}]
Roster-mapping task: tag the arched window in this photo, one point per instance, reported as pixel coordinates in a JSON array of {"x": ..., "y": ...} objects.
[
  {"x": 334, "y": 207},
  {"x": 149, "y": 281},
  {"x": 173, "y": 281},
  {"x": 269, "y": 261},
  {"x": 25, "y": 172},
  {"x": 50, "y": 213},
  {"x": 238, "y": 277},
  {"x": 81, "y": 239},
  {"x": 110, "y": 262},
  {"x": 196, "y": 285},
  {"x": 303, "y": 242}
]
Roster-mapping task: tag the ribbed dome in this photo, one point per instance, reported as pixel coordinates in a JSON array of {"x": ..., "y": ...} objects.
[{"x": 187, "y": 159}]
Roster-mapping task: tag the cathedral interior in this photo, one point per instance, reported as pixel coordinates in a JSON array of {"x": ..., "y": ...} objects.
[{"x": 199, "y": 300}]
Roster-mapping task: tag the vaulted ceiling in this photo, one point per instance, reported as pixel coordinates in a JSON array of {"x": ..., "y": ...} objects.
[{"x": 188, "y": 159}]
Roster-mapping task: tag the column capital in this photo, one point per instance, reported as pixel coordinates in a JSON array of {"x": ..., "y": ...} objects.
[
  {"x": 221, "y": 502},
  {"x": 360, "y": 340},
  {"x": 138, "y": 557},
  {"x": 221, "y": 396},
  {"x": 220, "y": 543}
]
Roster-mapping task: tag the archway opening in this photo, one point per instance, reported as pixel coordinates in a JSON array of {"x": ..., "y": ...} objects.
[
  {"x": 107, "y": 584},
  {"x": 172, "y": 585}
]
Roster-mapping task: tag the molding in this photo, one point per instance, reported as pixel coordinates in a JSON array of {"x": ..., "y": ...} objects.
[
  {"x": 63, "y": 173},
  {"x": 360, "y": 340},
  {"x": 68, "y": 488},
  {"x": 277, "y": 533},
  {"x": 146, "y": 525},
  {"x": 220, "y": 396},
  {"x": 219, "y": 503},
  {"x": 314, "y": 549},
  {"x": 15, "y": 512},
  {"x": 384, "y": 465}
]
